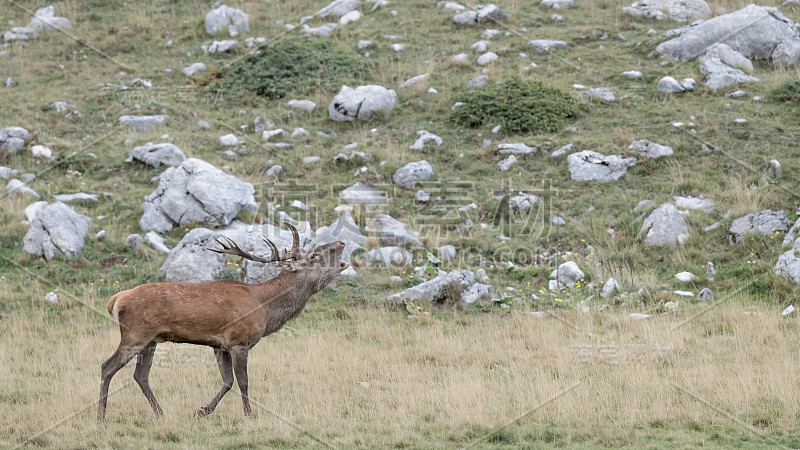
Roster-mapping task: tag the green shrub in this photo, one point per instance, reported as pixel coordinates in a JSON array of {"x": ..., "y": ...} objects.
[
  {"x": 789, "y": 92},
  {"x": 520, "y": 106},
  {"x": 293, "y": 67}
]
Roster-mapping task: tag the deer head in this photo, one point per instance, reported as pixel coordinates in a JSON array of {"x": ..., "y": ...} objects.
[{"x": 316, "y": 268}]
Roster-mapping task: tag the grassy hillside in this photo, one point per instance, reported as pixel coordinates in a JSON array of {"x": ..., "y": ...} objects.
[{"x": 352, "y": 371}]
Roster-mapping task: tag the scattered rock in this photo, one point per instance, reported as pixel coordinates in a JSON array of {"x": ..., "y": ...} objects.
[
  {"x": 143, "y": 123},
  {"x": 689, "y": 84},
  {"x": 55, "y": 230},
  {"x": 363, "y": 194},
  {"x": 592, "y": 166},
  {"x": 567, "y": 274},
  {"x": 506, "y": 163},
  {"x": 478, "y": 81},
  {"x": 12, "y": 139},
  {"x": 544, "y": 45},
  {"x": 477, "y": 293},
  {"x": 700, "y": 203},
  {"x": 481, "y": 14},
  {"x": 158, "y": 154},
  {"x": 523, "y": 202},
  {"x": 765, "y": 222},
  {"x": 719, "y": 75},
  {"x": 487, "y": 58},
  {"x": 558, "y": 4},
  {"x": 227, "y": 18},
  {"x": 51, "y": 297},
  {"x": 609, "y": 288},
  {"x": 669, "y": 85},
  {"x": 665, "y": 226},
  {"x": 569, "y": 148},
  {"x": 393, "y": 232},
  {"x": 788, "y": 265},
  {"x": 632, "y": 74},
  {"x": 677, "y": 10},
  {"x": 423, "y": 137},
  {"x": 773, "y": 169},
  {"x": 603, "y": 94},
  {"x": 16, "y": 188},
  {"x": 515, "y": 149},
  {"x": 686, "y": 277},
  {"x": 706, "y": 295},
  {"x": 40, "y": 151},
  {"x": 133, "y": 241},
  {"x": 324, "y": 30},
  {"x": 221, "y": 46},
  {"x": 432, "y": 289},
  {"x": 388, "y": 256},
  {"x": 305, "y": 105},
  {"x": 422, "y": 196},
  {"x": 710, "y": 271},
  {"x": 350, "y": 17},
  {"x": 361, "y": 102},
  {"x": 195, "y": 192},
  {"x": 81, "y": 197},
  {"x": 650, "y": 149},
  {"x": 343, "y": 229},
  {"x": 407, "y": 176},
  {"x": 229, "y": 140},
  {"x": 156, "y": 242},
  {"x": 338, "y": 8},
  {"x": 193, "y": 69},
  {"x": 43, "y": 19},
  {"x": 644, "y": 204},
  {"x": 414, "y": 80}
]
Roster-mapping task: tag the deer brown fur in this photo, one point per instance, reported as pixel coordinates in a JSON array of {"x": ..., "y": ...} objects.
[{"x": 229, "y": 316}]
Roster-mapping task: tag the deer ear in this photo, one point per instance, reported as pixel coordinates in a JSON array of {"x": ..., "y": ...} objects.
[{"x": 289, "y": 266}]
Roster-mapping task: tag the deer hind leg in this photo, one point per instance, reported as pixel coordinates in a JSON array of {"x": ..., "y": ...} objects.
[
  {"x": 239, "y": 356},
  {"x": 117, "y": 361},
  {"x": 226, "y": 370},
  {"x": 142, "y": 376}
]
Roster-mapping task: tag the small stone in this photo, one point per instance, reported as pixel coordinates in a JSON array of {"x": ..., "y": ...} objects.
[
  {"x": 706, "y": 295},
  {"x": 686, "y": 277},
  {"x": 133, "y": 241},
  {"x": 51, "y": 297},
  {"x": 669, "y": 85}
]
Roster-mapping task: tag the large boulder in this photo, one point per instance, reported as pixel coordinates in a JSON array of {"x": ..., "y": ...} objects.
[
  {"x": 191, "y": 261},
  {"x": 407, "y": 176},
  {"x": 665, "y": 226},
  {"x": 158, "y": 154},
  {"x": 788, "y": 265},
  {"x": 343, "y": 229},
  {"x": 195, "y": 192},
  {"x": 393, "y": 232},
  {"x": 432, "y": 289},
  {"x": 43, "y": 19},
  {"x": 361, "y": 102},
  {"x": 12, "y": 139},
  {"x": 592, "y": 166},
  {"x": 765, "y": 222},
  {"x": 56, "y": 229},
  {"x": 759, "y": 32},
  {"x": 677, "y": 10},
  {"x": 226, "y": 18}
]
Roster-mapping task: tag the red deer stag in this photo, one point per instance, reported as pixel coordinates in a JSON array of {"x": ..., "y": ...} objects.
[{"x": 229, "y": 316}]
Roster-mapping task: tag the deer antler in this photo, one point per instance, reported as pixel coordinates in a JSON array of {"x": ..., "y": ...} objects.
[
  {"x": 293, "y": 253},
  {"x": 231, "y": 248}
]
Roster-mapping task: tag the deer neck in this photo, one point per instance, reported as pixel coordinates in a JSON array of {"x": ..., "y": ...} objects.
[{"x": 282, "y": 298}]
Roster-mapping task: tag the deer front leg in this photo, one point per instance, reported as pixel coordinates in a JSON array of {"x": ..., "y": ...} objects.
[
  {"x": 239, "y": 356},
  {"x": 226, "y": 370}
]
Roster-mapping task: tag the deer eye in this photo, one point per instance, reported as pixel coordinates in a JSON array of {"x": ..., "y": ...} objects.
[{"x": 313, "y": 256}]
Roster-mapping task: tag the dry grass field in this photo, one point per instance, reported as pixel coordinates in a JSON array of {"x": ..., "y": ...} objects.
[{"x": 717, "y": 376}]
